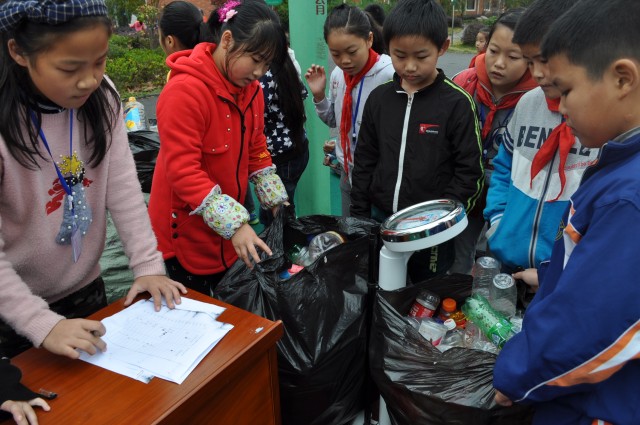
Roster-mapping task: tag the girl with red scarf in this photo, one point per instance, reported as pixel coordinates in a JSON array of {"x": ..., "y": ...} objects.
[
  {"x": 497, "y": 83},
  {"x": 359, "y": 69}
]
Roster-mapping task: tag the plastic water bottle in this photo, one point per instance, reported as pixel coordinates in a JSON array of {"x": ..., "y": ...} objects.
[
  {"x": 134, "y": 115},
  {"x": 322, "y": 243},
  {"x": 453, "y": 338},
  {"x": 483, "y": 272},
  {"x": 298, "y": 255},
  {"x": 491, "y": 322},
  {"x": 504, "y": 294}
]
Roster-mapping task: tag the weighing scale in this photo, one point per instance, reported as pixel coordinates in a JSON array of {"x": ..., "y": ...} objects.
[{"x": 418, "y": 227}]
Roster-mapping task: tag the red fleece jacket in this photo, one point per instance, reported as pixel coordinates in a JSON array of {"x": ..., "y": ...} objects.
[{"x": 207, "y": 139}]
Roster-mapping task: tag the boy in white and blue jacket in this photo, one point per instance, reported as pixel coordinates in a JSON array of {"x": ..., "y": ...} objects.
[
  {"x": 577, "y": 358},
  {"x": 524, "y": 211}
]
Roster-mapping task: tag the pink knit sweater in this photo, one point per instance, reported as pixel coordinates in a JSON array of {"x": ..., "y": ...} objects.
[{"x": 34, "y": 269}]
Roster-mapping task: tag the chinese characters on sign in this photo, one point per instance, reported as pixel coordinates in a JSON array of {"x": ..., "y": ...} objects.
[{"x": 321, "y": 6}]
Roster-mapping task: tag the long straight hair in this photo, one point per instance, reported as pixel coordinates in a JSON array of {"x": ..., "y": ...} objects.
[
  {"x": 289, "y": 89},
  {"x": 18, "y": 95}
]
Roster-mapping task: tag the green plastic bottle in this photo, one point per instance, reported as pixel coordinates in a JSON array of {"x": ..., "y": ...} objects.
[{"x": 492, "y": 323}]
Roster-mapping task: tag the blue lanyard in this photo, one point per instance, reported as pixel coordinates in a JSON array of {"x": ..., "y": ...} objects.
[
  {"x": 354, "y": 116},
  {"x": 63, "y": 182}
]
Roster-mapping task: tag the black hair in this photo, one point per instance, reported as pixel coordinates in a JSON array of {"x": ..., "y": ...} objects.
[
  {"x": 184, "y": 21},
  {"x": 289, "y": 89},
  {"x": 349, "y": 19},
  {"x": 18, "y": 96},
  {"x": 256, "y": 30},
  {"x": 484, "y": 30},
  {"x": 594, "y": 34},
  {"x": 377, "y": 12},
  {"x": 377, "y": 45},
  {"x": 508, "y": 19},
  {"x": 536, "y": 20},
  {"x": 214, "y": 24},
  {"x": 422, "y": 18}
]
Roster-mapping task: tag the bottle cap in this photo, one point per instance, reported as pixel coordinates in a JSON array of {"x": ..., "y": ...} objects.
[
  {"x": 132, "y": 99},
  {"x": 488, "y": 263},
  {"x": 450, "y": 324},
  {"x": 449, "y": 304},
  {"x": 503, "y": 281}
]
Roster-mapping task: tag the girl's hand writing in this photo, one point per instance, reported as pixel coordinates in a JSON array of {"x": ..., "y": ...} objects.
[
  {"x": 245, "y": 241},
  {"x": 159, "y": 287},
  {"x": 22, "y": 411},
  {"x": 71, "y": 334},
  {"x": 317, "y": 81}
]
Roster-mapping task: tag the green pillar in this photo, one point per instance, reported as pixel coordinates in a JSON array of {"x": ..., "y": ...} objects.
[{"x": 313, "y": 194}]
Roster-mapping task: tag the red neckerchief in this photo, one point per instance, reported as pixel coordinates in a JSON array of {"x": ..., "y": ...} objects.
[
  {"x": 347, "y": 106},
  {"x": 561, "y": 139},
  {"x": 508, "y": 101}
]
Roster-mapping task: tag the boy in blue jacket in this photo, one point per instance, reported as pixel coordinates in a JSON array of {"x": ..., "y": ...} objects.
[
  {"x": 577, "y": 357},
  {"x": 540, "y": 163}
]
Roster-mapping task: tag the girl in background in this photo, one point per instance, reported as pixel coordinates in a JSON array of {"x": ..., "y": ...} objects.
[
  {"x": 64, "y": 160},
  {"x": 181, "y": 27},
  {"x": 481, "y": 44},
  {"x": 211, "y": 123},
  {"x": 359, "y": 69},
  {"x": 496, "y": 83},
  {"x": 284, "y": 119}
]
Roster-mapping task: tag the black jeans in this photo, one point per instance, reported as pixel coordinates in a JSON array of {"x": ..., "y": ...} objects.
[
  {"x": 205, "y": 284},
  {"x": 80, "y": 304}
]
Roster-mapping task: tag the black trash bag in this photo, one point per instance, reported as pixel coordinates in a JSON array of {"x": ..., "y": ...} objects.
[
  {"x": 145, "y": 146},
  {"x": 420, "y": 384},
  {"x": 321, "y": 356}
]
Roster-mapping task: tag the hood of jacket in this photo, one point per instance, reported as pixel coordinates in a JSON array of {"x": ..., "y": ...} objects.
[{"x": 199, "y": 63}]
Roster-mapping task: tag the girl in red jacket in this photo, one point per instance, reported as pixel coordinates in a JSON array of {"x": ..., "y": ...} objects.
[{"x": 211, "y": 123}]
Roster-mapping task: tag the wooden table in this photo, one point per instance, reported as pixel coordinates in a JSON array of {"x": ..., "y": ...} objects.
[{"x": 235, "y": 384}]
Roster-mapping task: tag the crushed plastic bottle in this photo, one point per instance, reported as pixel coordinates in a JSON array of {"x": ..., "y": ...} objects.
[{"x": 453, "y": 338}]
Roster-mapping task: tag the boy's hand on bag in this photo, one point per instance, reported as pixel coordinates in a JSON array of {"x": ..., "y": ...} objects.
[
  {"x": 530, "y": 277},
  {"x": 71, "y": 334},
  {"x": 502, "y": 399},
  {"x": 245, "y": 242},
  {"x": 22, "y": 411},
  {"x": 159, "y": 287},
  {"x": 317, "y": 81}
]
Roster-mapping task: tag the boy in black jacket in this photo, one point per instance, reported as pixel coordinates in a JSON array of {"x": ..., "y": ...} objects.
[{"x": 419, "y": 139}]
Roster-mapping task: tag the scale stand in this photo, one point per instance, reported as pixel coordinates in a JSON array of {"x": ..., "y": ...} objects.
[{"x": 418, "y": 227}]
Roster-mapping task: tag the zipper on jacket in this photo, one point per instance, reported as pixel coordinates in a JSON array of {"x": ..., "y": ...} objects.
[
  {"x": 403, "y": 146},
  {"x": 538, "y": 214},
  {"x": 242, "y": 132}
]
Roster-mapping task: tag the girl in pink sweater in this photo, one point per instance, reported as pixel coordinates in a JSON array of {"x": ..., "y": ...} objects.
[{"x": 64, "y": 160}]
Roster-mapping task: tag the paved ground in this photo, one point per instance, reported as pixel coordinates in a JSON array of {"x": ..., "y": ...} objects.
[{"x": 451, "y": 64}]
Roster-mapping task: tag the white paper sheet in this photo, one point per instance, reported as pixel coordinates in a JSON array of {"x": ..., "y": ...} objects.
[{"x": 169, "y": 344}]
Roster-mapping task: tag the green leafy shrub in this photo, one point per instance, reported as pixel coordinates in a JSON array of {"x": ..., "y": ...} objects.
[{"x": 136, "y": 70}]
